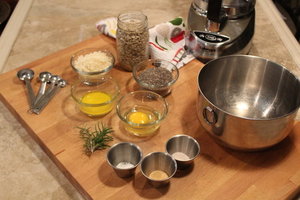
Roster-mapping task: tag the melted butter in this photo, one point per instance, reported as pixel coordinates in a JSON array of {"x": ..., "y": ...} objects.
[{"x": 95, "y": 99}]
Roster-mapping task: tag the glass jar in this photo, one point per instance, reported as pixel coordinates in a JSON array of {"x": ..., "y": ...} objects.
[{"x": 132, "y": 39}]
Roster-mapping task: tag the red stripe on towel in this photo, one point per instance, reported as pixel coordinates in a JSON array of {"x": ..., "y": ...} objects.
[{"x": 156, "y": 46}]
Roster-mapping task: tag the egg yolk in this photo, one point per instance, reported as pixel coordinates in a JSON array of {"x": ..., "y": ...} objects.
[{"x": 139, "y": 118}]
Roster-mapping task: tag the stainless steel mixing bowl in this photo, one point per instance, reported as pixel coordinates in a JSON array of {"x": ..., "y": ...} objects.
[{"x": 247, "y": 102}]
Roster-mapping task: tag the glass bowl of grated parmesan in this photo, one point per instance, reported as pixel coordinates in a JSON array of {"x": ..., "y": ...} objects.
[{"x": 92, "y": 63}]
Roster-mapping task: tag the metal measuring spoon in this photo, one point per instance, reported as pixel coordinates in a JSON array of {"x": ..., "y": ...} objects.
[
  {"x": 44, "y": 101},
  {"x": 54, "y": 81},
  {"x": 26, "y": 75},
  {"x": 44, "y": 78}
]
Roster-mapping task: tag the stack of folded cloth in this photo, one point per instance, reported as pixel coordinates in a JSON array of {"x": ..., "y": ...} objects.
[{"x": 166, "y": 40}]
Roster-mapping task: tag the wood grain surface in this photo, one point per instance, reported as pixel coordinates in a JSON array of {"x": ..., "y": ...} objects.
[{"x": 217, "y": 173}]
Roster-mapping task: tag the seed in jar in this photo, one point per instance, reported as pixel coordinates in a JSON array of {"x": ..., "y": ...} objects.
[
  {"x": 132, "y": 46},
  {"x": 93, "y": 62},
  {"x": 157, "y": 77}
]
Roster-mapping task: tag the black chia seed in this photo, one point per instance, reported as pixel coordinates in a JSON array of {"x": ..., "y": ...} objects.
[{"x": 156, "y": 78}]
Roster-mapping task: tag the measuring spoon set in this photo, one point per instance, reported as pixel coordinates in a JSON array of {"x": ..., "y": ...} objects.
[{"x": 49, "y": 86}]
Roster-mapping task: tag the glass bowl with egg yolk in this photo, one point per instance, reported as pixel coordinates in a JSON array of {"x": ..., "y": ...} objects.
[
  {"x": 96, "y": 97},
  {"x": 142, "y": 112}
]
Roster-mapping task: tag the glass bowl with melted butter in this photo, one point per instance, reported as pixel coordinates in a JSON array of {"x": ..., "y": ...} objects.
[{"x": 96, "y": 97}]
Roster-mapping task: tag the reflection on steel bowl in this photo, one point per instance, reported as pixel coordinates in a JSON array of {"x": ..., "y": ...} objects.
[{"x": 247, "y": 102}]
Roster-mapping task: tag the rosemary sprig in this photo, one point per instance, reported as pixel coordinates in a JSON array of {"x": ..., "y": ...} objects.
[{"x": 96, "y": 139}]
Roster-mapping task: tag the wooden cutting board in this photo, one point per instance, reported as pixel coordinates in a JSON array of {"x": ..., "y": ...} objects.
[{"x": 217, "y": 173}]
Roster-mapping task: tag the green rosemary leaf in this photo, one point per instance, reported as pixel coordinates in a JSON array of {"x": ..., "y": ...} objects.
[{"x": 96, "y": 139}]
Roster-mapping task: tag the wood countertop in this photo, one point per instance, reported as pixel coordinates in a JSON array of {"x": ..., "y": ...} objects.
[{"x": 217, "y": 173}]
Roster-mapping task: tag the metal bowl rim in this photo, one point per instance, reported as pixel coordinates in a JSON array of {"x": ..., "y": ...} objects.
[
  {"x": 234, "y": 115},
  {"x": 189, "y": 137},
  {"x": 128, "y": 143},
  {"x": 166, "y": 154}
]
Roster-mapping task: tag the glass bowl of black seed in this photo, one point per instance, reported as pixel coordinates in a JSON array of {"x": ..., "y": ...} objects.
[{"x": 156, "y": 75}]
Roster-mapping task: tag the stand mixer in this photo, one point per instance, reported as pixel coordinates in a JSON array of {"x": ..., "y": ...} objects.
[{"x": 217, "y": 28}]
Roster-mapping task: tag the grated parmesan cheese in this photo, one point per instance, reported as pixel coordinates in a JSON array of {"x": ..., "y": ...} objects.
[{"x": 93, "y": 62}]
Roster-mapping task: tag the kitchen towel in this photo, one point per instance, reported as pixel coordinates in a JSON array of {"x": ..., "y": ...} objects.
[{"x": 166, "y": 40}]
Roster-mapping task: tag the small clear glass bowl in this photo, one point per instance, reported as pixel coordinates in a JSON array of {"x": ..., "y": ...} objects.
[
  {"x": 156, "y": 75},
  {"x": 96, "y": 97},
  {"x": 142, "y": 112},
  {"x": 91, "y": 67}
]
